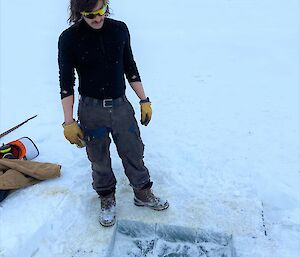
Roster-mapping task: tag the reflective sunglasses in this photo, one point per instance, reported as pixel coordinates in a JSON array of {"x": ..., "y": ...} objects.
[{"x": 92, "y": 15}]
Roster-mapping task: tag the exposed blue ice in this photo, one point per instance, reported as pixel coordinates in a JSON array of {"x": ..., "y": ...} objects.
[{"x": 137, "y": 239}]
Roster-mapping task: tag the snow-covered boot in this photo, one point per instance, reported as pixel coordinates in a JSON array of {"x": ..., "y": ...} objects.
[
  {"x": 107, "y": 215},
  {"x": 145, "y": 197}
]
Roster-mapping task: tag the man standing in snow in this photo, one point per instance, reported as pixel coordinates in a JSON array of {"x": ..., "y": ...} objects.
[{"x": 99, "y": 49}]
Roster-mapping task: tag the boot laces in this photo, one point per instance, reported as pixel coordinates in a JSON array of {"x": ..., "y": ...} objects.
[
  {"x": 107, "y": 203},
  {"x": 151, "y": 197}
]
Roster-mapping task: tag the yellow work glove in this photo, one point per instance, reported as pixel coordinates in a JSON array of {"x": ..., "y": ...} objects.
[
  {"x": 146, "y": 111},
  {"x": 74, "y": 134}
]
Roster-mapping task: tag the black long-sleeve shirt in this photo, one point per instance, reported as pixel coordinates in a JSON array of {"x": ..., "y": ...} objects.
[{"x": 101, "y": 58}]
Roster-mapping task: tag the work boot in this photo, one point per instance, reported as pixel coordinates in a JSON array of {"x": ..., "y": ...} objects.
[
  {"x": 107, "y": 215},
  {"x": 145, "y": 197}
]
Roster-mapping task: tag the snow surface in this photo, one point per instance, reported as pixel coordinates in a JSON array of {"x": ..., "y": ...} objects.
[{"x": 223, "y": 144}]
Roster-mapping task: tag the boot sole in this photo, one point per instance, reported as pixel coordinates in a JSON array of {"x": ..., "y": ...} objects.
[
  {"x": 140, "y": 204},
  {"x": 107, "y": 224}
]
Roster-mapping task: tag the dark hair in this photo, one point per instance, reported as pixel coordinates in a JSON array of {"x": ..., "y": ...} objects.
[{"x": 77, "y": 6}]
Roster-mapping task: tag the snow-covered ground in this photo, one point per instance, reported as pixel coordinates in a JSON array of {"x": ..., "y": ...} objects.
[{"x": 223, "y": 145}]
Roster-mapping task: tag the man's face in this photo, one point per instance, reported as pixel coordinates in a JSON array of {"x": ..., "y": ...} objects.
[{"x": 97, "y": 21}]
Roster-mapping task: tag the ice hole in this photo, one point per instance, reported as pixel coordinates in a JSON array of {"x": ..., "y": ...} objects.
[{"x": 138, "y": 239}]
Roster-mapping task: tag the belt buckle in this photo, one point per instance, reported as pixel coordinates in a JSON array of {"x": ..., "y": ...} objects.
[{"x": 107, "y": 103}]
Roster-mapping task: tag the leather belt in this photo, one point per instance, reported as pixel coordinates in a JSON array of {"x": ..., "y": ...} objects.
[{"x": 105, "y": 103}]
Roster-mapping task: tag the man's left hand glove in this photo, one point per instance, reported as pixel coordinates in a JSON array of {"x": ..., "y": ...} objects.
[{"x": 146, "y": 111}]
